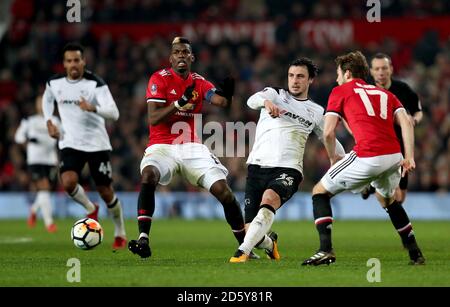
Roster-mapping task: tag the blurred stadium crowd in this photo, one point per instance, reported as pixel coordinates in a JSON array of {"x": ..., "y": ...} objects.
[{"x": 30, "y": 54}]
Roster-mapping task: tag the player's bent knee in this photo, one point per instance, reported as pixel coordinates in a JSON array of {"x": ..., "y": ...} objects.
[
  {"x": 69, "y": 182},
  {"x": 222, "y": 191},
  {"x": 106, "y": 193},
  {"x": 319, "y": 189},
  {"x": 270, "y": 197},
  {"x": 150, "y": 174},
  {"x": 400, "y": 195}
]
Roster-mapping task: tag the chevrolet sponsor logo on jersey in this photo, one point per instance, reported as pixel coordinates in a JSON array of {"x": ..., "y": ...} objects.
[{"x": 300, "y": 119}]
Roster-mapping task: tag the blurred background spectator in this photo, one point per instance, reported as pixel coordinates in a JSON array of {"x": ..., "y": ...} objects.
[{"x": 127, "y": 40}]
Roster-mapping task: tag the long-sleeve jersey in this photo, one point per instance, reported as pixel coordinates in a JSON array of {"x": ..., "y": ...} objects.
[
  {"x": 81, "y": 130},
  {"x": 41, "y": 148},
  {"x": 280, "y": 142}
]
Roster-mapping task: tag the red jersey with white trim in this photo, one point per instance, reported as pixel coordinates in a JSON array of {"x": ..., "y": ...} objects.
[
  {"x": 369, "y": 112},
  {"x": 164, "y": 88}
]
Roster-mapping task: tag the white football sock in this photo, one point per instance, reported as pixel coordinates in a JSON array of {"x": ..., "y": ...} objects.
[
  {"x": 115, "y": 210},
  {"x": 79, "y": 195},
  {"x": 46, "y": 207},
  {"x": 267, "y": 243},
  {"x": 143, "y": 235},
  {"x": 258, "y": 228},
  {"x": 36, "y": 204}
]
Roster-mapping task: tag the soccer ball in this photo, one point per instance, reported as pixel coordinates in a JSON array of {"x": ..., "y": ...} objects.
[{"x": 86, "y": 233}]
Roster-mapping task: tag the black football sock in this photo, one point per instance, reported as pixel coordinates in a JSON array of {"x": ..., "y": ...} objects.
[
  {"x": 323, "y": 218},
  {"x": 402, "y": 224},
  {"x": 233, "y": 215},
  {"x": 146, "y": 208}
]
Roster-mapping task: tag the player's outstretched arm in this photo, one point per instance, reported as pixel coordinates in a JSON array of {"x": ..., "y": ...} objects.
[
  {"x": 329, "y": 138},
  {"x": 339, "y": 149},
  {"x": 223, "y": 96},
  {"x": 258, "y": 100},
  {"x": 401, "y": 118}
]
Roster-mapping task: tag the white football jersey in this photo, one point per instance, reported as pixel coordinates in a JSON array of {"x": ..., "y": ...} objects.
[
  {"x": 280, "y": 142},
  {"x": 42, "y": 148},
  {"x": 81, "y": 130}
]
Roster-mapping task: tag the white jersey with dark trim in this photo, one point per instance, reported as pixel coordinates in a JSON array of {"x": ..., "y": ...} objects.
[
  {"x": 41, "y": 148},
  {"x": 81, "y": 130},
  {"x": 280, "y": 142}
]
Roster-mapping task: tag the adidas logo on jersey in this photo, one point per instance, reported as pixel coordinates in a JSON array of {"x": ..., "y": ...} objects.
[{"x": 173, "y": 92}]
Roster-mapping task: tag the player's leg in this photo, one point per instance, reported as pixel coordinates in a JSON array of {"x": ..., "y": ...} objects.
[
  {"x": 201, "y": 168},
  {"x": 225, "y": 196},
  {"x": 72, "y": 162},
  {"x": 367, "y": 191},
  {"x": 278, "y": 185},
  {"x": 146, "y": 207},
  {"x": 400, "y": 191},
  {"x": 337, "y": 179},
  {"x": 259, "y": 227},
  {"x": 385, "y": 186},
  {"x": 157, "y": 166},
  {"x": 323, "y": 219},
  {"x": 255, "y": 186},
  {"x": 34, "y": 171},
  {"x": 101, "y": 171},
  {"x": 43, "y": 198}
]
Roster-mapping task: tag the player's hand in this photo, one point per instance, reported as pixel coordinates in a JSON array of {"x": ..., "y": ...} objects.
[
  {"x": 226, "y": 88},
  {"x": 187, "y": 107},
  {"x": 408, "y": 165},
  {"x": 53, "y": 130},
  {"x": 86, "y": 106},
  {"x": 271, "y": 109},
  {"x": 187, "y": 95},
  {"x": 335, "y": 159}
]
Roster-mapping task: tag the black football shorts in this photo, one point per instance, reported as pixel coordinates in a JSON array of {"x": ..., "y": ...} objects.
[
  {"x": 98, "y": 161},
  {"x": 284, "y": 181}
]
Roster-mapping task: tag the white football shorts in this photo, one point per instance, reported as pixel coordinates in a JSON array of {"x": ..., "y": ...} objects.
[
  {"x": 353, "y": 173},
  {"x": 193, "y": 161}
]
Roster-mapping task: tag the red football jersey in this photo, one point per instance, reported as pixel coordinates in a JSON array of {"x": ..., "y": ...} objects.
[
  {"x": 164, "y": 88},
  {"x": 369, "y": 112}
]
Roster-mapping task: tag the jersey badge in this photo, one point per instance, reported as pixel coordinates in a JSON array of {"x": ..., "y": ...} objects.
[{"x": 153, "y": 89}]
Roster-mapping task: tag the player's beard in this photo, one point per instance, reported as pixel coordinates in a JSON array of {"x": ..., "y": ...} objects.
[
  {"x": 297, "y": 94},
  {"x": 75, "y": 74}
]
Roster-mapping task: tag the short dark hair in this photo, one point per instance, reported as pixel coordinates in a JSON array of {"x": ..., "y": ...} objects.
[
  {"x": 312, "y": 68},
  {"x": 355, "y": 62},
  {"x": 381, "y": 56},
  {"x": 73, "y": 47},
  {"x": 182, "y": 40}
]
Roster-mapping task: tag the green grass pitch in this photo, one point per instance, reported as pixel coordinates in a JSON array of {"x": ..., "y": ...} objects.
[{"x": 196, "y": 253}]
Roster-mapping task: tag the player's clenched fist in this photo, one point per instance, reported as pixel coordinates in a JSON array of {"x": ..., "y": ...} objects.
[
  {"x": 271, "y": 109},
  {"x": 52, "y": 130},
  {"x": 182, "y": 103}
]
